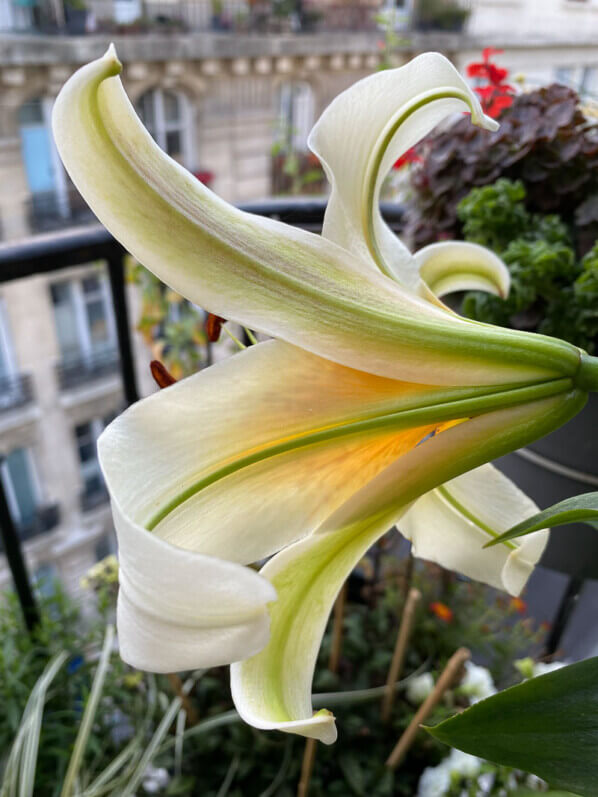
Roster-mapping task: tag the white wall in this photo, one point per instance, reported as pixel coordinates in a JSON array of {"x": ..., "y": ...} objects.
[{"x": 557, "y": 20}]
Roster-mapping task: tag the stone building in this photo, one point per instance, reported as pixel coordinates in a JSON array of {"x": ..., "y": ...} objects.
[{"x": 218, "y": 101}]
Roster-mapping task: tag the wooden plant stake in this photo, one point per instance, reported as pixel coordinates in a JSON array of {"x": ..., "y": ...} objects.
[
  {"x": 398, "y": 656},
  {"x": 337, "y": 629},
  {"x": 177, "y": 687},
  {"x": 307, "y": 767},
  {"x": 448, "y": 676}
]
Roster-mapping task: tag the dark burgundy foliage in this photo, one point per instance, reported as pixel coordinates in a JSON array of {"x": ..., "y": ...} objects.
[{"x": 544, "y": 140}]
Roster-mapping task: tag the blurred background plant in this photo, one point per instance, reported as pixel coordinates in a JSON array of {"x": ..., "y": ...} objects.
[
  {"x": 196, "y": 743},
  {"x": 173, "y": 328},
  {"x": 552, "y": 291},
  {"x": 545, "y": 141}
]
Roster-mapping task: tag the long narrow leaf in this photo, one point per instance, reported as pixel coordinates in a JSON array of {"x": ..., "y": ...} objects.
[
  {"x": 23, "y": 755},
  {"x": 547, "y": 725},
  {"x": 152, "y": 748},
  {"x": 579, "y": 509},
  {"x": 88, "y": 715}
]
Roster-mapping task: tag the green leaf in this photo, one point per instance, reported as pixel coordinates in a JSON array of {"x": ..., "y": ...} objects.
[
  {"x": 579, "y": 509},
  {"x": 547, "y": 725}
]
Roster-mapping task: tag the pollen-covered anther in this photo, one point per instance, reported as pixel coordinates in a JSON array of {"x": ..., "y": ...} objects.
[
  {"x": 213, "y": 327},
  {"x": 162, "y": 377}
]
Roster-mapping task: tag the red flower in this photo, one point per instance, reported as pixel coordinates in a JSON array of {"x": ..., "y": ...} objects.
[
  {"x": 410, "y": 156},
  {"x": 442, "y": 611},
  {"x": 496, "y": 95}
]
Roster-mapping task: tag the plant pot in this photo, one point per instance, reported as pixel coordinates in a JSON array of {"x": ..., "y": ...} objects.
[
  {"x": 559, "y": 466},
  {"x": 76, "y": 21}
]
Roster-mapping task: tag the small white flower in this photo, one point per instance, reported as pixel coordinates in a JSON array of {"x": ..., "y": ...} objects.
[
  {"x": 543, "y": 667},
  {"x": 464, "y": 764},
  {"x": 486, "y": 782},
  {"x": 434, "y": 781},
  {"x": 155, "y": 779},
  {"x": 419, "y": 688},
  {"x": 477, "y": 683}
]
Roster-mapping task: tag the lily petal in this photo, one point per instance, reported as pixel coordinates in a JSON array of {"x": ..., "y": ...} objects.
[
  {"x": 364, "y": 131},
  {"x": 450, "y": 524},
  {"x": 179, "y": 610},
  {"x": 184, "y": 460},
  {"x": 462, "y": 266},
  {"x": 272, "y": 690},
  {"x": 282, "y": 281},
  {"x": 222, "y": 483}
]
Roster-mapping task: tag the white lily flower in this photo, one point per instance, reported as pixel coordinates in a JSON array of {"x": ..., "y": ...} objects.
[{"x": 305, "y": 447}]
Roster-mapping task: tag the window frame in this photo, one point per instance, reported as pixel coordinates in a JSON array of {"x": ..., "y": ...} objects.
[
  {"x": 79, "y": 306},
  {"x": 161, "y": 127}
]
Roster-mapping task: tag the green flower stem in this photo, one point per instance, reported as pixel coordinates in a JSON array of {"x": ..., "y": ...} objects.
[
  {"x": 587, "y": 375},
  {"x": 350, "y": 698},
  {"x": 474, "y": 405}
]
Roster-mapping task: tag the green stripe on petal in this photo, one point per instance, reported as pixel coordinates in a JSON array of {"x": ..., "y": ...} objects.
[
  {"x": 272, "y": 690},
  {"x": 449, "y": 525},
  {"x": 360, "y": 136},
  {"x": 283, "y": 281}
]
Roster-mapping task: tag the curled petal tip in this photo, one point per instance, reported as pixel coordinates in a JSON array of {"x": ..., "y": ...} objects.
[
  {"x": 112, "y": 61},
  {"x": 485, "y": 122}
]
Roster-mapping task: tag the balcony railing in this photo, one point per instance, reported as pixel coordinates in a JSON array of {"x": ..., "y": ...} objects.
[
  {"x": 44, "y": 520},
  {"x": 15, "y": 391},
  {"x": 47, "y": 212},
  {"x": 82, "y": 369},
  {"x": 226, "y": 16},
  {"x": 93, "y": 498}
]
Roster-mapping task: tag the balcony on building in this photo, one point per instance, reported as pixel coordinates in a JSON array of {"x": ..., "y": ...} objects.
[
  {"x": 93, "y": 497},
  {"x": 77, "y": 371},
  {"x": 16, "y": 391},
  {"x": 42, "y": 520},
  {"x": 226, "y": 16},
  {"x": 48, "y": 211}
]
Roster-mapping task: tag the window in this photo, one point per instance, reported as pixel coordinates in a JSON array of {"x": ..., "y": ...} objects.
[
  {"x": 589, "y": 82},
  {"x": 83, "y": 316},
  {"x": 164, "y": 114},
  {"x": 296, "y": 115},
  {"x": 568, "y": 76},
  {"x": 46, "y": 177},
  {"x": 6, "y": 353},
  {"x": 21, "y": 485},
  {"x": 46, "y": 577},
  {"x": 86, "y": 435}
]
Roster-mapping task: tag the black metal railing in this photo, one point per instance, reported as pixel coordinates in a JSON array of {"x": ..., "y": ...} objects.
[
  {"x": 92, "y": 498},
  {"x": 79, "y": 370},
  {"x": 44, "y": 520},
  {"x": 15, "y": 391}
]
